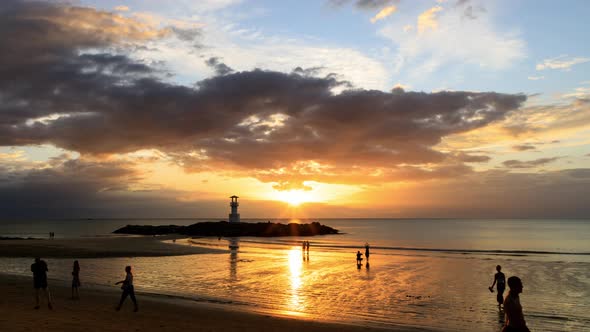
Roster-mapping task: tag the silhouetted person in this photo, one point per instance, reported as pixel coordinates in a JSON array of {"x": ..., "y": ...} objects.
[
  {"x": 307, "y": 245},
  {"x": 500, "y": 279},
  {"x": 514, "y": 316},
  {"x": 303, "y": 246},
  {"x": 75, "y": 280},
  {"x": 367, "y": 251},
  {"x": 39, "y": 269},
  {"x": 128, "y": 290},
  {"x": 359, "y": 257}
]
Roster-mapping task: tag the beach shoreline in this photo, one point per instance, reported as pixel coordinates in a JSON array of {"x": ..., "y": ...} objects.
[
  {"x": 100, "y": 247},
  {"x": 95, "y": 312}
]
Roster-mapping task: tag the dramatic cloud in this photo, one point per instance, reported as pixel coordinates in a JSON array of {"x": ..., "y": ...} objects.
[
  {"x": 529, "y": 163},
  {"x": 69, "y": 81},
  {"x": 562, "y": 62},
  {"x": 70, "y": 184},
  {"x": 98, "y": 103}
]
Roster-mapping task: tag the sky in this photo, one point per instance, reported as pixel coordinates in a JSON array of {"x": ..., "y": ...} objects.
[{"x": 304, "y": 109}]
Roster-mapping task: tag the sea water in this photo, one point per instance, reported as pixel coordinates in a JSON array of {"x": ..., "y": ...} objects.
[{"x": 424, "y": 273}]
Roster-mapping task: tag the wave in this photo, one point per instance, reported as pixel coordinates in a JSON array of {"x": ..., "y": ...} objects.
[{"x": 504, "y": 252}]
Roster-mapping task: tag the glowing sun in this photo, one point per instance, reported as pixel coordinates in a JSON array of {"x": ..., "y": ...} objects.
[{"x": 295, "y": 197}]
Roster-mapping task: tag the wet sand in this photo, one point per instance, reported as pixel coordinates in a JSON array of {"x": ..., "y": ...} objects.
[
  {"x": 95, "y": 312},
  {"x": 98, "y": 248}
]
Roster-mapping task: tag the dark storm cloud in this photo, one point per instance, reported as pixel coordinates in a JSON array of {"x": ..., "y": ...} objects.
[
  {"x": 61, "y": 85},
  {"x": 67, "y": 184},
  {"x": 529, "y": 163},
  {"x": 219, "y": 67},
  {"x": 103, "y": 103}
]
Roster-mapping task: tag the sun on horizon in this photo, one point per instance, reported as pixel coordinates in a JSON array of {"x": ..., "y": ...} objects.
[{"x": 296, "y": 197}]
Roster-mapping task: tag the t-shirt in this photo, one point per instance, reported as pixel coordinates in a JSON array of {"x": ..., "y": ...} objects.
[
  {"x": 513, "y": 310},
  {"x": 128, "y": 279},
  {"x": 39, "y": 270},
  {"x": 501, "y": 280}
]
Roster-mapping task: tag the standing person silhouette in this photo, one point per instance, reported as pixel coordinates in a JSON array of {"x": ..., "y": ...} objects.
[
  {"x": 359, "y": 257},
  {"x": 39, "y": 269},
  {"x": 500, "y": 279},
  {"x": 75, "y": 281},
  {"x": 514, "y": 317},
  {"x": 367, "y": 251},
  {"x": 128, "y": 290}
]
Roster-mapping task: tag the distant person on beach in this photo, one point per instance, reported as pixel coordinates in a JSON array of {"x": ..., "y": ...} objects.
[
  {"x": 500, "y": 279},
  {"x": 367, "y": 251},
  {"x": 39, "y": 269},
  {"x": 359, "y": 257},
  {"x": 307, "y": 245},
  {"x": 127, "y": 287},
  {"x": 512, "y": 308},
  {"x": 75, "y": 281}
]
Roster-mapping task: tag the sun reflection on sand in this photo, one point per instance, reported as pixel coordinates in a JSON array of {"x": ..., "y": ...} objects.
[{"x": 297, "y": 303}]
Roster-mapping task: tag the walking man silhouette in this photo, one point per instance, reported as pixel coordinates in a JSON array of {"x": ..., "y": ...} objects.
[{"x": 39, "y": 269}]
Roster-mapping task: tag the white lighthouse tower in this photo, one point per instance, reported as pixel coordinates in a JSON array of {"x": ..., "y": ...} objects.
[{"x": 234, "y": 216}]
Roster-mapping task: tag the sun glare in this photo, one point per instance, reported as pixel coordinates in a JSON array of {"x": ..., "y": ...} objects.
[{"x": 295, "y": 197}]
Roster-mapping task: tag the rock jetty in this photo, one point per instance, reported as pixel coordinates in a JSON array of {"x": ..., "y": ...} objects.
[{"x": 224, "y": 228}]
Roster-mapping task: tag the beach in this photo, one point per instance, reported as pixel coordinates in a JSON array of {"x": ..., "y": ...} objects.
[
  {"x": 95, "y": 312},
  {"x": 124, "y": 246},
  {"x": 413, "y": 282},
  {"x": 158, "y": 312}
]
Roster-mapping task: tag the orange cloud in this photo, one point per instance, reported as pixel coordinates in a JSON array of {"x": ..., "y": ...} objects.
[
  {"x": 427, "y": 20},
  {"x": 383, "y": 13}
]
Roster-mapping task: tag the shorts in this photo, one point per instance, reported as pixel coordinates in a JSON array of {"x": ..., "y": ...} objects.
[{"x": 40, "y": 283}]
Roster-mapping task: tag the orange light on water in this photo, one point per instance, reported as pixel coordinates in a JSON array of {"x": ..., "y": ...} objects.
[{"x": 295, "y": 268}]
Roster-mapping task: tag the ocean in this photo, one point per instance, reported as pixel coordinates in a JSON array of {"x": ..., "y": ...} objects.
[{"x": 421, "y": 272}]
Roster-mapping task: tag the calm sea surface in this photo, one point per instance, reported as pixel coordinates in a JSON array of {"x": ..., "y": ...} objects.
[{"x": 429, "y": 273}]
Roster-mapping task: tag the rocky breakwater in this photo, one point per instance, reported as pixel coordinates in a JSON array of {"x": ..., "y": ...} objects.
[{"x": 224, "y": 228}]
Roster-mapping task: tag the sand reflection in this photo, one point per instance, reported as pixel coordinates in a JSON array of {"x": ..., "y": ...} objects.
[{"x": 296, "y": 300}]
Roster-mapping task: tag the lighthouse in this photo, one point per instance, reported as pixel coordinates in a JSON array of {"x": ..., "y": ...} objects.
[{"x": 234, "y": 216}]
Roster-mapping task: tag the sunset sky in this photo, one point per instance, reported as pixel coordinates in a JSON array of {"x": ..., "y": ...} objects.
[{"x": 309, "y": 109}]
